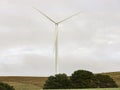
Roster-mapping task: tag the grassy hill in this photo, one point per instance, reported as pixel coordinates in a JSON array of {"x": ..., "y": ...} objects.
[
  {"x": 115, "y": 76},
  {"x": 36, "y": 83}
]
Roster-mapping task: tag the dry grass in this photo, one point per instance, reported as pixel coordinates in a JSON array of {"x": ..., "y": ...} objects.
[
  {"x": 23, "y": 86},
  {"x": 36, "y": 83},
  {"x": 115, "y": 76}
]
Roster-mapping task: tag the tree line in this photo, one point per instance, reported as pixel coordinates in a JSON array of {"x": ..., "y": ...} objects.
[{"x": 79, "y": 79}]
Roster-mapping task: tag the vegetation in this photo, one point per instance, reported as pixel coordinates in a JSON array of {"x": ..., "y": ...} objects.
[
  {"x": 59, "y": 81},
  {"x": 83, "y": 79},
  {"x": 24, "y": 82},
  {"x": 79, "y": 79},
  {"x": 4, "y": 86},
  {"x": 115, "y": 76},
  {"x": 105, "y": 81},
  {"x": 37, "y": 83}
]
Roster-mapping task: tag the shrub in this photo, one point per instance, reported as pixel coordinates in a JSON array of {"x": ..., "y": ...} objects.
[
  {"x": 79, "y": 79},
  {"x": 4, "y": 86},
  {"x": 105, "y": 81},
  {"x": 83, "y": 79},
  {"x": 59, "y": 81}
]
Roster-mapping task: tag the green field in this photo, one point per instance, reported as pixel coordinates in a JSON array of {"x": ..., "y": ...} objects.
[{"x": 36, "y": 83}]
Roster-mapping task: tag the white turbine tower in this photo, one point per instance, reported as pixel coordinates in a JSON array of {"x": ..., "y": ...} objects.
[{"x": 56, "y": 35}]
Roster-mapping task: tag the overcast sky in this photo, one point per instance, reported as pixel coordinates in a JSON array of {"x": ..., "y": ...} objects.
[{"x": 90, "y": 40}]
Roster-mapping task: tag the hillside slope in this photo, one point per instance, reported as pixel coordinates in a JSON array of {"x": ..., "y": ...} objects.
[
  {"x": 36, "y": 83},
  {"x": 115, "y": 76}
]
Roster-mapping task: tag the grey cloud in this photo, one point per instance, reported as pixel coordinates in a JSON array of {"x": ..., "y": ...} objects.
[
  {"x": 31, "y": 65},
  {"x": 88, "y": 41}
]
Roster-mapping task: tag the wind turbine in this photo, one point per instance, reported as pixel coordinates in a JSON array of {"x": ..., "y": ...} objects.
[{"x": 56, "y": 34}]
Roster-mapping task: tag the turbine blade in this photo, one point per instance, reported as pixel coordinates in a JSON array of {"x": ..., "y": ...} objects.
[
  {"x": 68, "y": 17},
  {"x": 45, "y": 15}
]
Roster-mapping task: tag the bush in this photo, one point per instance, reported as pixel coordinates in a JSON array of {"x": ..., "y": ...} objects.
[
  {"x": 59, "y": 81},
  {"x": 79, "y": 79},
  {"x": 83, "y": 79},
  {"x": 105, "y": 81},
  {"x": 4, "y": 86}
]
